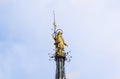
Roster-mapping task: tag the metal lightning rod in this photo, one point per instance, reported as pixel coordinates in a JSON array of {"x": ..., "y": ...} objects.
[{"x": 54, "y": 23}]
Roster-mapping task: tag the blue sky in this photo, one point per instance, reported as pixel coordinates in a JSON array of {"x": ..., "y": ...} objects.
[{"x": 91, "y": 29}]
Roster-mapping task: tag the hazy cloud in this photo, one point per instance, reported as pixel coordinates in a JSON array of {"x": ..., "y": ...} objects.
[{"x": 73, "y": 75}]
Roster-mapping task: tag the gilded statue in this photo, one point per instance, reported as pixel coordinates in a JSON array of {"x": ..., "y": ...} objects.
[{"x": 59, "y": 43}]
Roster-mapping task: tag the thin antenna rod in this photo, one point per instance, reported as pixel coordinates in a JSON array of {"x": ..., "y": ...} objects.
[
  {"x": 54, "y": 23},
  {"x": 54, "y": 15}
]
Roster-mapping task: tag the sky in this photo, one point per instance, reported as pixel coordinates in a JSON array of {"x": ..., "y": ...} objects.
[{"x": 91, "y": 28}]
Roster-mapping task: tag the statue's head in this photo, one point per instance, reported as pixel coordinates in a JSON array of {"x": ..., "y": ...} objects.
[{"x": 59, "y": 33}]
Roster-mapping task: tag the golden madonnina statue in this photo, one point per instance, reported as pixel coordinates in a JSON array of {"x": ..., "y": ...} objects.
[{"x": 59, "y": 43}]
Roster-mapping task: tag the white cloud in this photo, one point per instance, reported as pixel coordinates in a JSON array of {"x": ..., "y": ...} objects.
[{"x": 73, "y": 75}]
